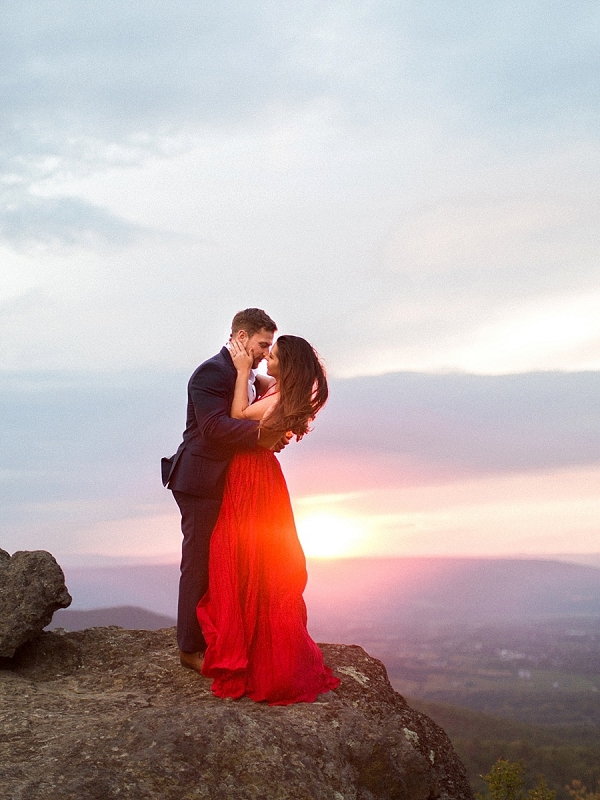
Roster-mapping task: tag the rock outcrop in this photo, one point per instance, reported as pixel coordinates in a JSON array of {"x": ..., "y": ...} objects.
[
  {"x": 108, "y": 713},
  {"x": 32, "y": 588}
]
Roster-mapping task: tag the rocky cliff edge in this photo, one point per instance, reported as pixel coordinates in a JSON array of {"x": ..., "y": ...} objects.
[{"x": 110, "y": 713}]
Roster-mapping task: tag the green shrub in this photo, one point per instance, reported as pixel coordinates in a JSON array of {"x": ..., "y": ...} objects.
[
  {"x": 505, "y": 781},
  {"x": 578, "y": 791}
]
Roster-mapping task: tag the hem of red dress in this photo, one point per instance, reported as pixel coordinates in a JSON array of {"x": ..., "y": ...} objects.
[{"x": 310, "y": 697}]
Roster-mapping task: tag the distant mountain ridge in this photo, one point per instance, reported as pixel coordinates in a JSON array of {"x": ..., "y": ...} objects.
[
  {"x": 410, "y": 590},
  {"x": 386, "y": 592}
]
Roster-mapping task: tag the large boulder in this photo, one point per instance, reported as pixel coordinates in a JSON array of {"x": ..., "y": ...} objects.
[
  {"x": 108, "y": 713},
  {"x": 32, "y": 588}
]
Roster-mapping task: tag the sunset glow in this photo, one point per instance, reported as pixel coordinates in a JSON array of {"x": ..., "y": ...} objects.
[
  {"x": 326, "y": 534},
  {"x": 533, "y": 513}
]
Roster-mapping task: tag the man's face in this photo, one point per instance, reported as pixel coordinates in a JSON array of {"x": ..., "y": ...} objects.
[{"x": 257, "y": 345}]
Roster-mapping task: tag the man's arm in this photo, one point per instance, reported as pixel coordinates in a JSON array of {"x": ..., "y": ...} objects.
[{"x": 210, "y": 393}]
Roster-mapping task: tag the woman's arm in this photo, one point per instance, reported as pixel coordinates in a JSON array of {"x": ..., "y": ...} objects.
[
  {"x": 240, "y": 408},
  {"x": 260, "y": 409},
  {"x": 242, "y": 361}
]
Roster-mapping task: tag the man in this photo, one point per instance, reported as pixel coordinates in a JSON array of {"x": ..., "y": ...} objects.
[{"x": 196, "y": 473}]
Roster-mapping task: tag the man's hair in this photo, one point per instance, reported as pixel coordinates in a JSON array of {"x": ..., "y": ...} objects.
[{"x": 252, "y": 320}]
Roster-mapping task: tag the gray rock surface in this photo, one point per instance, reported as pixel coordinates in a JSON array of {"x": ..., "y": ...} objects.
[
  {"x": 108, "y": 713},
  {"x": 32, "y": 588}
]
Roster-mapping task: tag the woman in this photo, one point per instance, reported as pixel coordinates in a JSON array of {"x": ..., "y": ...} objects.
[{"x": 253, "y": 616}]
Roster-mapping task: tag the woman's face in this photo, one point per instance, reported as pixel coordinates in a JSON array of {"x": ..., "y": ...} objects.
[{"x": 273, "y": 362}]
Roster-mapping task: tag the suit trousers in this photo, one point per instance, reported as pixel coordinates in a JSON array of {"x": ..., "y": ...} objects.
[{"x": 198, "y": 518}]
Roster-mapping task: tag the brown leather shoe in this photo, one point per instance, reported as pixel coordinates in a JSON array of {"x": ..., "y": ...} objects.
[{"x": 192, "y": 660}]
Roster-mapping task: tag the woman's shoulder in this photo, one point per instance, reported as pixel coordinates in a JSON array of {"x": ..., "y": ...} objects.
[{"x": 262, "y": 406}]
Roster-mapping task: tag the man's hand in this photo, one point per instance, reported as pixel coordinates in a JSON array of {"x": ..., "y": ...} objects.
[
  {"x": 283, "y": 442},
  {"x": 273, "y": 440}
]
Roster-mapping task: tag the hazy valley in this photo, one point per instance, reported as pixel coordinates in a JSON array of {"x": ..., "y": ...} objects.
[{"x": 503, "y": 653}]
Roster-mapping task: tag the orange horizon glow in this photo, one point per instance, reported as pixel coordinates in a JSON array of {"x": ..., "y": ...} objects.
[{"x": 502, "y": 515}]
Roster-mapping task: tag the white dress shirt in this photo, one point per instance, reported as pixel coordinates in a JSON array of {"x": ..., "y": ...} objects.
[{"x": 251, "y": 387}]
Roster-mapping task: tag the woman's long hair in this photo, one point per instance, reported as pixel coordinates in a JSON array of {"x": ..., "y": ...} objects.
[{"x": 302, "y": 386}]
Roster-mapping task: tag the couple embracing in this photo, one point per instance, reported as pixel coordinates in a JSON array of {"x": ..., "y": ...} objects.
[{"x": 241, "y": 617}]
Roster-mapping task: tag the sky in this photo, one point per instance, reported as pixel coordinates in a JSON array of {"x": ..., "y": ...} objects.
[{"x": 414, "y": 187}]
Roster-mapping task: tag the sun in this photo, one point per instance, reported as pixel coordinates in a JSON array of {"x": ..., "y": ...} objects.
[{"x": 327, "y": 535}]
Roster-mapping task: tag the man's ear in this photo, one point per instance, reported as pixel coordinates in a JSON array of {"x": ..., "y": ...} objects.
[{"x": 242, "y": 336}]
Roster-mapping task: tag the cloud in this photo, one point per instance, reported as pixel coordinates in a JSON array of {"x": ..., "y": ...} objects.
[
  {"x": 64, "y": 221},
  {"x": 81, "y": 451},
  {"x": 105, "y": 60},
  {"x": 413, "y": 187},
  {"x": 123, "y": 74},
  {"x": 460, "y": 425}
]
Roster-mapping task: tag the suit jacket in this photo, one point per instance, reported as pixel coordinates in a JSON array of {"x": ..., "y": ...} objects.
[{"x": 211, "y": 436}]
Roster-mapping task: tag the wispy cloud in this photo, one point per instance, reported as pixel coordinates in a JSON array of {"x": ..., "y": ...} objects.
[{"x": 413, "y": 186}]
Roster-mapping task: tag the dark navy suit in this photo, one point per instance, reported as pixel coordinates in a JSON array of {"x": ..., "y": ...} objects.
[{"x": 196, "y": 476}]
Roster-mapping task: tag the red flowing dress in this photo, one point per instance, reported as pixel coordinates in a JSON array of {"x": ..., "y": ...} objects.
[{"x": 253, "y": 615}]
